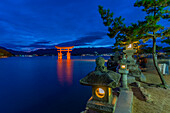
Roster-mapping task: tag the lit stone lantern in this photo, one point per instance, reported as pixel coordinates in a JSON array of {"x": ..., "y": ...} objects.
[
  {"x": 124, "y": 71},
  {"x": 129, "y": 47},
  {"x": 123, "y": 66},
  {"x": 102, "y": 82},
  {"x": 134, "y": 71}
]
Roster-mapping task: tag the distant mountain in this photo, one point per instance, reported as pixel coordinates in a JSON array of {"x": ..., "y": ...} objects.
[
  {"x": 4, "y": 53},
  {"x": 75, "y": 51},
  {"x": 41, "y": 52},
  {"x": 80, "y": 51},
  {"x": 14, "y": 52},
  {"x": 3, "y": 48}
]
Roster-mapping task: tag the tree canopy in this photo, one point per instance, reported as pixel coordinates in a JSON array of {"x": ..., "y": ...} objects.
[
  {"x": 155, "y": 9},
  {"x": 145, "y": 30}
]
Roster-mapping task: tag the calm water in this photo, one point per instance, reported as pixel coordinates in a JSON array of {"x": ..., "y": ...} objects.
[{"x": 44, "y": 84}]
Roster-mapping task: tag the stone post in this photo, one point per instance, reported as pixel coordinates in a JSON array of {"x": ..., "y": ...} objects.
[
  {"x": 124, "y": 80},
  {"x": 124, "y": 71}
]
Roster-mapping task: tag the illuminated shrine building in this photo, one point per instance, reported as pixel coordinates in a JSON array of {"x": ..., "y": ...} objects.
[{"x": 60, "y": 49}]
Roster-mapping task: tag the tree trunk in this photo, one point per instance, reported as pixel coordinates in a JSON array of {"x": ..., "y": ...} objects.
[{"x": 156, "y": 64}]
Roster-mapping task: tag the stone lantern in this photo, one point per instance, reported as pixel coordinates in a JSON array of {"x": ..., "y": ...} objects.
[
  {"x": 102, "y": 82},
  {"x": 134, "y": 71}
]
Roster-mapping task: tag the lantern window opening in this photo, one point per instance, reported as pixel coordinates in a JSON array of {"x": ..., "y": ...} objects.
[
  {"x": 130, "y": 46},
  {"x": 123, "y": 66},
  {"x": 100, "y": 92},
  {"x": 110, "y": 91}
]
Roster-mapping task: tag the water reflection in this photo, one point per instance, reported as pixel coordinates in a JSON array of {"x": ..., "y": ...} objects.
[
  {"x": 86, "y": 60},
  {"x": 65, "y": 71},
  {"x": 69, "y": 72}
]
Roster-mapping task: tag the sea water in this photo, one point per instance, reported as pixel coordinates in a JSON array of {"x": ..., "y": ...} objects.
[{"x": 44, "y": 84}]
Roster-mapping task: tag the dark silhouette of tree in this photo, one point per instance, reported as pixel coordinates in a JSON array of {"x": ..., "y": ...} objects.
[{"x": 145, "y": 30}]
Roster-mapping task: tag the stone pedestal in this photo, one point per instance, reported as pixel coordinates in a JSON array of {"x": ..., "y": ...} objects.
[
  {"x": 124, "y": 79},
  {"x": 125, "y": 101},
  {"x": 99, "y": 107}
]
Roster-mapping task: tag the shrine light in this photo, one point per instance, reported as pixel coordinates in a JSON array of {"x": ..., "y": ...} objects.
[
  {"x": 130, "y": 46},
  {"x": 100, "y": 92},
  {"x": 123, "y": 66}
]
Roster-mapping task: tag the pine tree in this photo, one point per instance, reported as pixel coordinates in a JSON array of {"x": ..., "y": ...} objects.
[
  {"x": 156, "y": 10},
  {"x": 145, "y": 30},
  {"x": 117, "y": 29}
]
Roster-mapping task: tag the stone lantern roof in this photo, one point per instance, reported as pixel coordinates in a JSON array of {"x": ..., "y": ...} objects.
[{"x": 98, "y": 78}]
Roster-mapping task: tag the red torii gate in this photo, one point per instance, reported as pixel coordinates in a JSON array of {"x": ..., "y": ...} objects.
[{"x": 64, "y": 49}]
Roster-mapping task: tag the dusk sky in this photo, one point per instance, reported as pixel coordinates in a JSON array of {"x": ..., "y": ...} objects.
[{"x": 32, "y": 24}]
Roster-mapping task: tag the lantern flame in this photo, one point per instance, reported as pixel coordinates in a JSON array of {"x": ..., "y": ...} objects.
[
  {"x": 130, "y": 46},
  {"x": 123, "y": 66},
  {"x": 101, "y": 91}
]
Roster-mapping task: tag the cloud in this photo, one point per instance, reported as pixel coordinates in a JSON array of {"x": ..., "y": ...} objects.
[
  {"x": 36, "y": 46},
  {"x": 82, "y": 41},
  {"x": 97, "y": 33},
  {"x": 43, "y": 42},
  {"x": 35, "y": 23}
]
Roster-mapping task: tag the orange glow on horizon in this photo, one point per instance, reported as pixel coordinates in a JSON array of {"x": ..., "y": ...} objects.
[{"x": 3, "y": 56}]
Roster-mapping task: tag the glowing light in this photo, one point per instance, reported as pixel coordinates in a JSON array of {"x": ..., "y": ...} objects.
[
  {"x": 110, "y": 91},
  {"x": 64, "y": 49},
  {"x": 123, "y": 66},
  {"x": 114, "y": 100},
  {"x": 100, "y": 92},
  {"x": 68, "y": 55},
  {"x": 65, "y": 71},
  {"x": 130, "y": 46}
]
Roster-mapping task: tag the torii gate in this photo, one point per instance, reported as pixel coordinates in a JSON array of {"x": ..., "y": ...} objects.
[{"x": 64, "y": 49}]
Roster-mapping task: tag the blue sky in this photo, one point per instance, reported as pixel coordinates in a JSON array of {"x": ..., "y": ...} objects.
[{"x": 32, "y": 24}]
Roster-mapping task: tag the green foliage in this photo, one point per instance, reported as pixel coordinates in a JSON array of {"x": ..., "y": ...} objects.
[
  {"x": 116, "y": 27},
  {"x": 166, "y": 41},
  {"x": 167, "y": 34},
  {"x": 156, "y": 9},
  {"x": 145, "y": 30},
  {"x": 167, "y": 49},
  {"x": 117, "y": 49}
]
